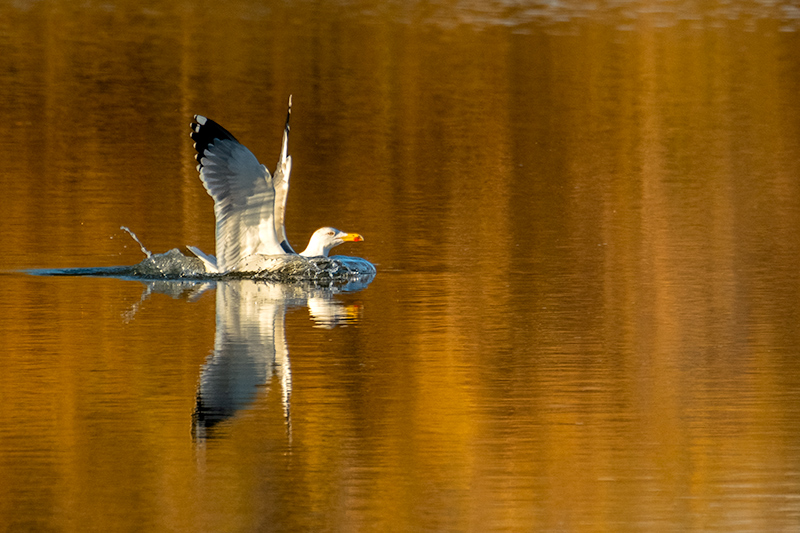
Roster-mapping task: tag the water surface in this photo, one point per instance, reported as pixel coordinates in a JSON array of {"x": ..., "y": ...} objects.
[{"x": 584, "y": 221}]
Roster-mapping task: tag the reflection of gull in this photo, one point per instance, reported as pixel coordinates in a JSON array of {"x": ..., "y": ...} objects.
[
  {"x": 249, "y": 202},
  {"x": 328, "y": 313},
  {"x": 250, "y": 347}
]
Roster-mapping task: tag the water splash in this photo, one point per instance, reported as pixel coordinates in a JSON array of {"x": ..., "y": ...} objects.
[
  {"x": 147, "y": 252},
  {"x": 343, "y": 272}
]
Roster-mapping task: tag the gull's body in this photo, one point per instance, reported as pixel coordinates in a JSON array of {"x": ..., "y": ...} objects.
[{"x": 249, "y": 202}]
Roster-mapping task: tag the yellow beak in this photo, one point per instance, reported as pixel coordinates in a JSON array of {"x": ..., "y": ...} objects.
[{"x": 352, "y": 237}]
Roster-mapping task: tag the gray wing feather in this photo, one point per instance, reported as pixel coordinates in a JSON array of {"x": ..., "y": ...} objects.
[
  {"x": 244, "y": 201},
  {"x": 280, "y": 183}
]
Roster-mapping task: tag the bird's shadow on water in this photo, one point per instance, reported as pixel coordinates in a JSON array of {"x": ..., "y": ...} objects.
[{"x": 250, "y": 347}]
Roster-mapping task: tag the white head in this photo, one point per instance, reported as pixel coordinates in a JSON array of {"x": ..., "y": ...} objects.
[{"x": 324, "y": 239}]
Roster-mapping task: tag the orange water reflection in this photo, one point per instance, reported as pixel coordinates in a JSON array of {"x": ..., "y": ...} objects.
[{"x": 585, "y": 226}]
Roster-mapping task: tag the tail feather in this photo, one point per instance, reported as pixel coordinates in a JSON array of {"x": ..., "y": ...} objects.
[{"x": 209, "y": 261}]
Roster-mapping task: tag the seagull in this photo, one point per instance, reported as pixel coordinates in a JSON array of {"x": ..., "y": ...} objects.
[{"x": 250, "y": 203}]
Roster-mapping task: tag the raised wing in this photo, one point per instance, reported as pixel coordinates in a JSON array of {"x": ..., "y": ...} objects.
[
  {"x": 281, "y": 184},
  {"x": 243, "y": 194}
]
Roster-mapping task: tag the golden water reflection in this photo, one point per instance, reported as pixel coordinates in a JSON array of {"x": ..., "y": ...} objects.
[{"x": 584, "y": 219}]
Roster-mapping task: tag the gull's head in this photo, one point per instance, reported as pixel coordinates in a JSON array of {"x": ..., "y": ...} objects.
[{"x": 324, "y": 239}]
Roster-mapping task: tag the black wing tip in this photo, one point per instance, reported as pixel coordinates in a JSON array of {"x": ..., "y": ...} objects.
[
  {"x": 288, "y": 115},
  {"x": 204, "y": 132}
]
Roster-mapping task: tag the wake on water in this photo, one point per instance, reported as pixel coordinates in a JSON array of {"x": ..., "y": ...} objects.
[{"x": 339, "y": 271}]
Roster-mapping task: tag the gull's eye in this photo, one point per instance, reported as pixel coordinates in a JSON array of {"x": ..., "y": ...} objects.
[{"x": 330, "y": 233}]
